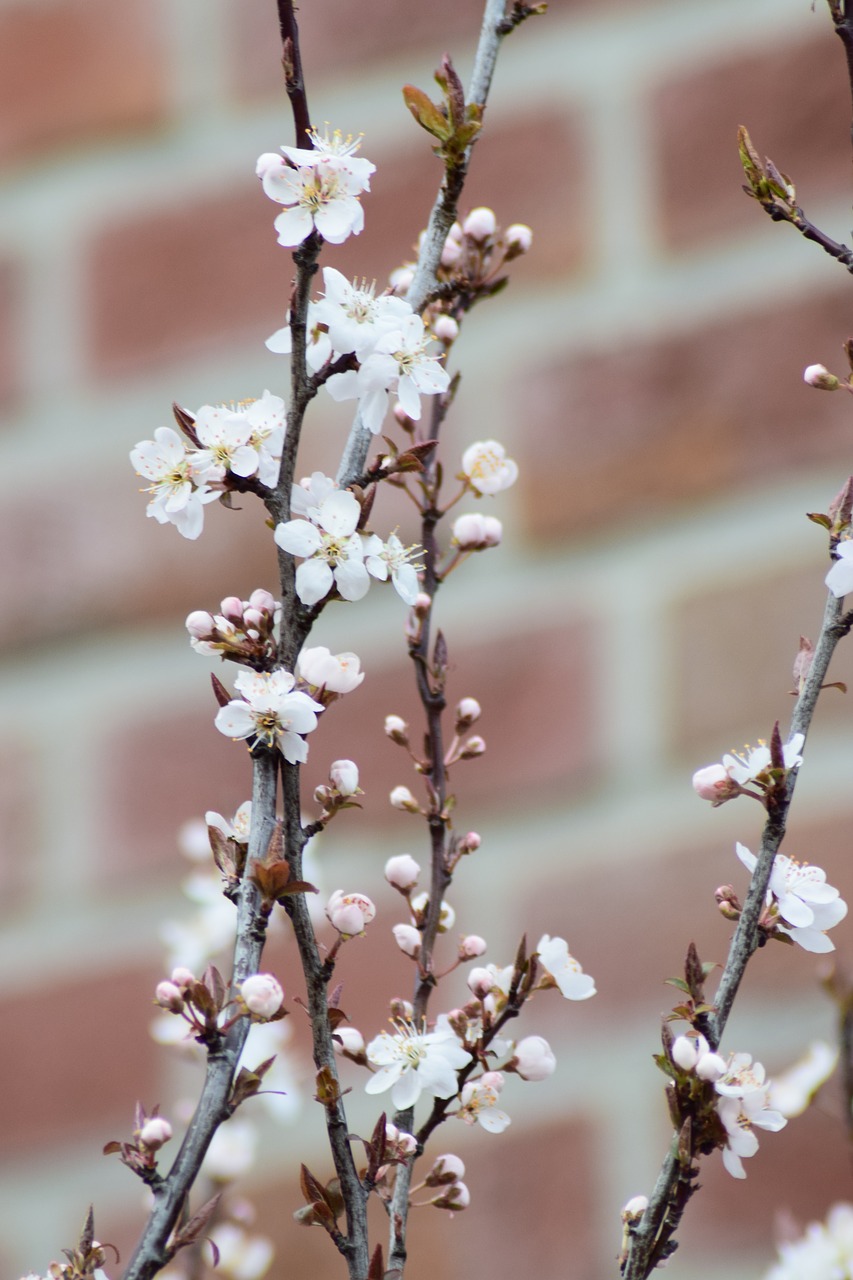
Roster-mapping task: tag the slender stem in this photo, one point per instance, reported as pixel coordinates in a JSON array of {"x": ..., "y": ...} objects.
[
  {"x": 152, "y": 1253},
  {"x": 651, "y": 1240},
  {"x": 291, "y": 59}
]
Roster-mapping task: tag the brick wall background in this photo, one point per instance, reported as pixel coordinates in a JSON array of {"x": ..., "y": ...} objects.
[{"x": 643, "y": 368}]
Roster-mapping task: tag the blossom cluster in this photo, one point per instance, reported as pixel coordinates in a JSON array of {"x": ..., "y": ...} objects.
[
  {"x": 241, "y": 441},
  {"x": 799, "y": 903}
]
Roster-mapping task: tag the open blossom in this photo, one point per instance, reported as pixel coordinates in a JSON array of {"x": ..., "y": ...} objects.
[
  {"x": 331, "y": 550},
  {"x": 564, "y": 969},
  {"x": 533, "y": 1059},
  {"x": 740, "y": 769},
  {"x": 487, "y": 467},
  {"x": 478, "y": 1103},
  {"x": 271, "y": 711},
  {"x": 743, "y": 1107},
  {"x": 411, "y": 1061},
  {"x": 224, "y": 436},
  {"x": 399, "y": 362},
  {"x": 320, "y": 188},
  {"x": 382, "y": 559},
  {"x": 839, "y": 580},
  {"x": 178, "y": 495},
  {"x": 806, "y": 906},
  {"x": 354, "y": 318}
]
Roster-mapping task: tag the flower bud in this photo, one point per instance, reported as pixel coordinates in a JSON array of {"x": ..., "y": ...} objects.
[
  {"x": 446, "y": 329},
  {"x": 817, "y": 375},
  {"x": 711, "y": 1066},
  {"x": 402, "y": 798},
  {"x": 456, "y": 1197},
  {"x": 451, "y": 252},
  {"x": 402, "y": 872},
  {"x": 401, "y": 1008},
  {"x": 446, "y": 915},
  {"x": 262, "y": 994},
  {"x": 344, "y": 777},
  {"x": 475, "y": 532},
  {"x": 170, "y": 997},
  {"x": 518, "y": 239},
  {"x": 687, "y": 1050},
  {"x": 348, "y": 1040},
  {"x": 473, "y": 747},
  {"x": 634, "y": 1209},
  {"x": 408, "y": 939},
  {"x": 183, "y": 978},
  {"x": 445, "y": 1169},
  {"x": 533, "y": 1059},
  {"x": 712, "y": 783},
  {"x": 155, "y": 1132},
  {"x": 232, "y": 609},
  {"x": 401, "y": 278},
  {"x": 349, "y": 912},
  {"x": 480, "y": 982},
  {"x": 397, "y": 730},
  {"x": 480, "y": 224},
  {"x": 472, "y": 947},
  {"x": 470, "y": 843},
  {"x": 262, "y": 600},
  {"x": 200, "y": 624},
  {"x": 467, "y": 711}
]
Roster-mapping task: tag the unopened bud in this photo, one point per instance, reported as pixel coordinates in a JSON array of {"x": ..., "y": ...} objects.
[
  {"x": 183, "y": 977},
  {"x": 728, "y": 902},
  {"x": 397, "y": 730},
  {"x": 402, "y": 798},
  {"x": 634, "y": 1209},
  {"x": 480, "y": 224},
  {"x": 817, "y": 375},
  {"x": 475, "y": 532},
  {"x": 518, "y": 239},
  {"x": 445, "y": 1169},
  {"x": 473, "y": 747},
  {"x": 470, "y": 843},
  {"x": 232, "y": 608},
  {"x": 262, "y": 994},
  {"x": 480, "y": 982},
  {"x": 456, "y": 1197},
  {"x": 408, "y": 939},
  {"x": 200, "y": 624},
  {"x": 472, "y": 947},
  {"x": 533, "y": 1059},
  {"x": 402, "y": 872},
  {"x": 344, "y": 777},
  {"x": 348, "y": 1040},
  {"x": 170, "y": 997},
  {"x": 446, "y": 329},
  {"x": 467, "y": 712},
  {"x": 155, "y": 1132}
]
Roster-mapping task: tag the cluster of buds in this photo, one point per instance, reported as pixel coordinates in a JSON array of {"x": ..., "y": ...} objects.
[
  {"x": 200, "y": 1001},
  {"x": 445, "y": 1177},
  {"x": 475, "y": 532},
  {"x": 150, "y": 1133},
  {"x": 463, "y": 748},
  {"x": 243, "y": 630}
]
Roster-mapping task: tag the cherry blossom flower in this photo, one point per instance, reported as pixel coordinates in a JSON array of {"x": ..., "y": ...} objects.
[
  {"x": 487, "y": 468},
  {"x": 391, "y": 557},
  {"x": 320, "y": 189},
  {"x": 178, "y": 497},
  {"x": 839, "y": 580},
  {"x": 307, "y": 497},
  {"x": 742, "y": 1107},
  {"x": 334, "y": 672},
  {"x": 331, "y": 550},
  {"x": 478, "y": 1103},
  {"x": 354, "y": 318},
  {"x": 410, "y": 1062},
  {"x": 241, "y": 1256},
  {"x": 349, "y": 913},
  {"x": 399, "y": 362},
  {"x": 224, "y": 435},
  {"x": 752, "y": 764},
  {"x": 334, "y": 149},
  {"x": 564, "y": 971},
  {"x": 262, "y": 994},
  {"x": 532, "y": 1059},
  {"x": 823, "y": 1252},
  {"x": 799, "y": 894},
  {"x": 318, "y": 347},
  {"x": 238, "y": 828},
  {"x": 272, "y": 712}
]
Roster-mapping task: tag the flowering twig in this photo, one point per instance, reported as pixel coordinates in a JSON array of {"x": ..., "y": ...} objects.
[{"x": 651, "y": 1240}]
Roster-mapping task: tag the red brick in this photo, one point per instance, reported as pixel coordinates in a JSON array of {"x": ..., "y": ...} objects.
[
  {"x": 76, "y": 1060},
  {"x": 661, "y": 424},
  {"x": 185, "y": 279},
  {"x": 736, "y": 647},
  {"x": 11, "y": 356},
  {"x": 99, "y": 561},
  {"x": 78, "y": 69},
  {"x": 795, "y": 103}
]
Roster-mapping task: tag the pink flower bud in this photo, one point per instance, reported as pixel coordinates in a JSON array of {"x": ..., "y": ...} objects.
[
  {"x": 473, "y": 747},
  {"x": 456, "y": 1197},
  {"x": 445, "y": 1170},
  {"x": 475, "y": 532},
  {"x": 348, "y": 1040},
  {"x": 472, "y": 947},
  {"x": 518, "y": 238},
  {"x": 480, "y": 224},
  {"x": 155, "y": 1132},
  {"x": 712, "y": 783},
  {"x": 408, "y": 939},
  {"x": 470, "y": 843},
  {"x": 262, "y": 601},
  {"x": 344, "y": 776},
  {"x": 254, "y": 620},
  {"x": 480, "y": 982},
  {"x": 451, "y": 252},
  {"x": 446, "y": 329},
  {"x": 406, "y": 1143},
  {"x": 402, "y": 798},
  {"x": 634, "y": 1209},
  {"x": 423, "y": 604},
  {"x": 262, "y": 994},
  {"x": 533, "y": 1059},
  {"x": 817, "y": 375},
  {"x": 200, "y": 624},
  {"x": 492, "y": 1080},
  {"x": 402, "y": 872},
  {"x": 349, "y": 912},
  {"x": 170, "y": 997},
  {"x": 183, "y": 977},
  {"x": 232, "y": 609}
]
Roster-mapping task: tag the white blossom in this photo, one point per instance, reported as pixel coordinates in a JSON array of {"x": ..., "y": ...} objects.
[
  {"x": 743, "y": 1107},
  {"x": 807, "y": 905},
  {"x": 533, "y": 1058},
  {"x": 335, "y": 672},
  {"x": 564, "y": 969},
  {"x": 752, "y": 763},
  {"x": 262, "y": 994},
  {"x": 331, "y": 550},
  {"x": 411, "y": 1061},
  {"x": 178, "y": 497},
  {"x": 354, "y": 318},
  {"x": 478, "y": 1103},
  {"x": 319, "y": 187},
  {"x": 487, "y": 467},
  {"x": 271, "y": 711},
  {"x": 399, "y": 362},
  {"x": 391, "y": 557}
]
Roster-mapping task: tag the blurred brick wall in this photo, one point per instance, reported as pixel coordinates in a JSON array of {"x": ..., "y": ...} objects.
[{"x": 643, "y": 368}]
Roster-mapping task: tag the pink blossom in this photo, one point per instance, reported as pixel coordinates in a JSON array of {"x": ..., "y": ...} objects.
[
  {"x": 533, "y": 1059},
  {"x": 262, "y": 994}
]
